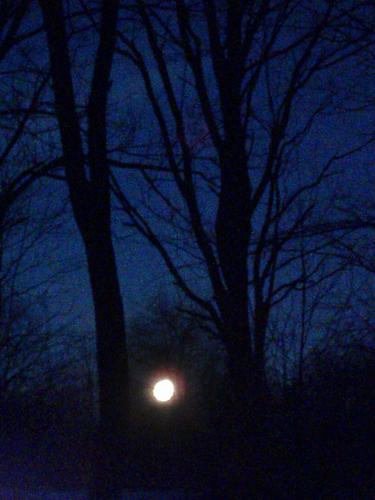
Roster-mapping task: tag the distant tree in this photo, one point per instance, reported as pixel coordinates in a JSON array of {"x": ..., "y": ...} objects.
[
  {"x": 165, "y": 332},
  {"x": 25, "y": 337},
  {"x": 11, "y": 24},
  {"x": 24, "y": 348},
  {"x": 166, "y": 340}
]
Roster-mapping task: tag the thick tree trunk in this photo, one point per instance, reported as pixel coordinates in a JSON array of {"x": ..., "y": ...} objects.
[
  {"x": 112, "y": 366},
  {"x": 232, "y": 234},
  {"x": 245, "y": 435},
  {"x": 91, "y": 204}
]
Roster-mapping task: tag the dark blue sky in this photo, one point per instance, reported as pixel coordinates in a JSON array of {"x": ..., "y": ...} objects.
[{"x": 141, "y": 271}]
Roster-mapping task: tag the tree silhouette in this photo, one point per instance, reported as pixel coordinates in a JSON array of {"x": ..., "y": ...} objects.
[
  {"x": 91, "y": 204},
  {"x": 233, "y": 117}
]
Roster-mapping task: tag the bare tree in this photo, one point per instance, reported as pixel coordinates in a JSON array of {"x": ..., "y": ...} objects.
[
  {"x": 24, "y": 338},
  {"x": 91, "y": 203},
  {"x": 231, "y": 146},
  {"x": 236, "y": 90}
]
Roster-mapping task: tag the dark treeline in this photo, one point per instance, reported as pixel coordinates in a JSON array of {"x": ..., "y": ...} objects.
[
  {"x": 232, "y": 141},
  {"x": 317, "y": 441}
]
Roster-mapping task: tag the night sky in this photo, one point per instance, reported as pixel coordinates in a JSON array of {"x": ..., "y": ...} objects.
[
  {"x": 142, "y": 272},
  {"x": 260, "y": 350}
]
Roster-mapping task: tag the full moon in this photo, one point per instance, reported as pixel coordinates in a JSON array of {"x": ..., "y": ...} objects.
[{"x": 163, "y": 390}]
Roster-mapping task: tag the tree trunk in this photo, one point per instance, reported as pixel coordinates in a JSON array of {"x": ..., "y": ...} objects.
[
  {"x": 112, "y": 366},
  {"x": 91, "y": 204},
  {"x": 246, "y": 436}
]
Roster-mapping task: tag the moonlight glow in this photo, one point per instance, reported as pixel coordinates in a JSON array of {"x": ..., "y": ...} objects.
[{"x": 163, "y": 390}]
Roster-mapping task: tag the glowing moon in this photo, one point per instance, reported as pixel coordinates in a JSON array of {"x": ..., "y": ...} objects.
[{"x": 163, "y": 390}]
